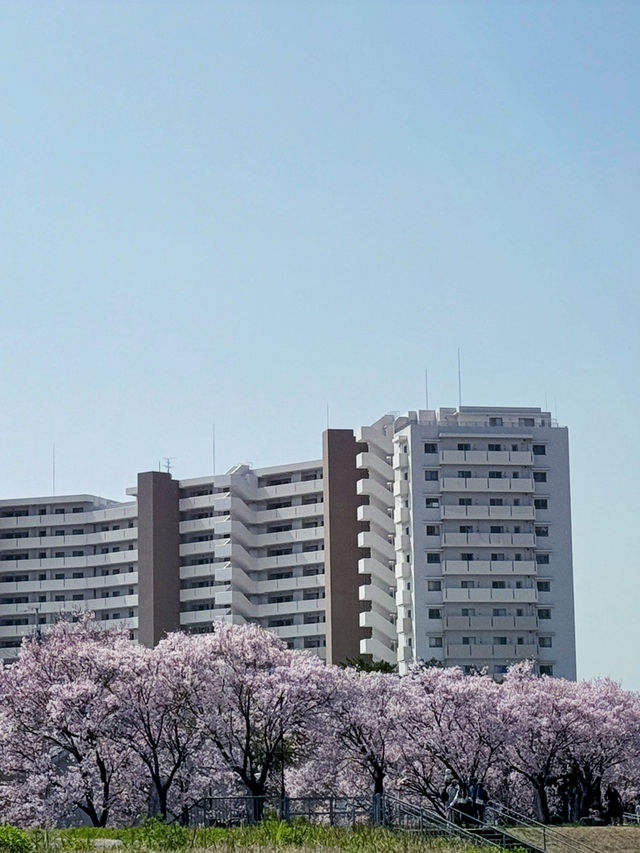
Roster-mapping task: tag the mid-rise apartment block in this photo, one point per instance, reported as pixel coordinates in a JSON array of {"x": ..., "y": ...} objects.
[{"x": 436, "y": 536}]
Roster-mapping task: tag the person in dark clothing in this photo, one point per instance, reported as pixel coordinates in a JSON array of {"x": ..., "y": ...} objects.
[
  {"x": 479, "y": 797},
  {"x": 615, "y": 809}
]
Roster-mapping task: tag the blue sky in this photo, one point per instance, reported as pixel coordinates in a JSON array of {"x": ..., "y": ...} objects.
[{"x": 241, "y": 213}]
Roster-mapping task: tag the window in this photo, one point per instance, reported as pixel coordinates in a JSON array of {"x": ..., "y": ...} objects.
[
  {"x": 498, "y": 585},
  {"x": 77, "y": 575},
  {"x": 539, "y": 476},
  {"x": 497, "y": 558},
  {"x": 464, "y": 447},
  {"x": 468, "y": 641},
  {"x": 494, "y": 448},
  {"x": 432, "y": 530},
  {"x": 541, "y": 503},
  {"x": 435, "y": 642},
  {"x": 42, "y": 555},
  {"x": 499, "y": 611},
  {"x": 466, "y": 528},
  {"x": 77, "y": 597},
  {"x": 495, "y": 475},
  {"x": 539, "y": 450},
  {"x": 515, "y": 475},
  {"x": 467, "y": 584},
  {"x": 542, "y": 531},
  {"x": 312, "y": 594},
  {"x": 464, "y": 501},
  {"x": 496, "y": 528},
  {"x": 495, "y": 421},
  {"x": 544, "y": 586},
  {"x": 77, "y": 553},
  {"x": 495, "y": 501},
  {"x": 545, "y": 642},
  {"x": 434, "y": 613},
  {"x": 499, "y": 669},
  {"x": 432, "y": 503},
  {"x": 546, "y": 669},
  {"x": 468, "y": 611},
  {"x": 431, "y": 475},
  {"x": 433, "y": 557},
  {"x": 527, "y": 422},
  {"x": 542, "y": 559},
  {"x": 464, "y": 475},
  {"x": 434, "y": 586},
  {"x": 544, "y": 613},
  {"x": 430, "y": 448},
  {"x": 517, "y": 558},
  {"x": 499, "y": 641},
  {"x": 466, "y": 555}
]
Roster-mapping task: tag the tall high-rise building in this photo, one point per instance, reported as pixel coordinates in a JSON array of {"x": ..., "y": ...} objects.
[
  {"x": 483, "y": 539},
  {"x": 441, "y": 536}
]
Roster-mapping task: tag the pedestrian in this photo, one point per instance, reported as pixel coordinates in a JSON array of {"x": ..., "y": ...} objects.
[
  {"x": 614, "y": 806},
  {"x": 480, "y": 800}
]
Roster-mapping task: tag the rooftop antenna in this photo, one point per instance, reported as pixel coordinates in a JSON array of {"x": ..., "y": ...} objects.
[
  {"x": 459, "y": 382},
  {"x": 53, "y": 470},
  {"x": 168, "y": 463},
  {"x": 426, "y": 387}
]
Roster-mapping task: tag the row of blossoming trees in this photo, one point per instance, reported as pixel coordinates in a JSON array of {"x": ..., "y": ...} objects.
[{"x": 91, "y": 723}]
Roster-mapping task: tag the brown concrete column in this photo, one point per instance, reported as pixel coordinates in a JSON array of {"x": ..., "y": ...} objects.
[
  {"x": 341, "y": 551},
  {"x": 158, "y": 556}
]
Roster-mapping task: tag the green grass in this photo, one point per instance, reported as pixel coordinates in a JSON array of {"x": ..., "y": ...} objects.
[{"x": 267, "y": 837}]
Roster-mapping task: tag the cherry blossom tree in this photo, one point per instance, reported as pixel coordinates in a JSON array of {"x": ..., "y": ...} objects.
[
  {"x": 59, "y": 718},
  {"x": 154, "y": 690},
  {"x": 449, "y": 729},
  {"x": 256, "y": 702}
]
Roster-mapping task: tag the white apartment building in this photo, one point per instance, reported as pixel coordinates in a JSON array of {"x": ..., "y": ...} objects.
[
  {"x": 436, "y": 535},
  {"x": 483, "y": 540},
  {"x": 241, "y": 546},
  {"x": 61, "y": 553}
]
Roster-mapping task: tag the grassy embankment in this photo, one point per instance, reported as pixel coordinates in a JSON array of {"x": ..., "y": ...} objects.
[
  {"x": 267, "y": 837},
  {"x": 604, "y": 839}
]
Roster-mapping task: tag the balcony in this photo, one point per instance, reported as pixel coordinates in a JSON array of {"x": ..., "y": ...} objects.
[
  {"x": 377, "y": 622},
  {"x": 452, "y": 595},
  {"x": 401, "y": 488},
  {"x": 400, "y": 460},
  {"x": 487, "y": 651},
  {"x": 487, "y": 540},
  {"x": 489, "y": 623},
  {"x": 521, "y": 513},
  {"x": 489, "y": 567},
  {"x": 376, "y": 466},
  {"x": 486, "y": 457},
  {"x": 402, "y": 515},
  {"x": 482, "y": 484}
]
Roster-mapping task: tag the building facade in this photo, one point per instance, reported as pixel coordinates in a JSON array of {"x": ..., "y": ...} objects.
[
  {"x": 439, "y": 536},
  {"x": 483, "y": 540}
]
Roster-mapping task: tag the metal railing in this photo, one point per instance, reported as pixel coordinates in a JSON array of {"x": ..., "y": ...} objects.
[{"x": 547, "y": 834}]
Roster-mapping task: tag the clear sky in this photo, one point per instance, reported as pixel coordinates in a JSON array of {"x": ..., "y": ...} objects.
[{"x": 241, "y": 213}]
